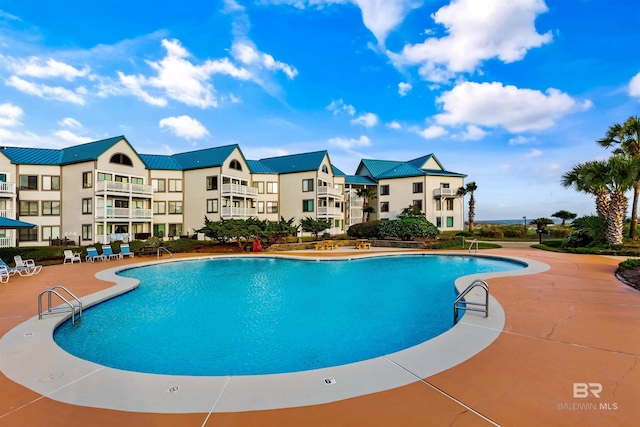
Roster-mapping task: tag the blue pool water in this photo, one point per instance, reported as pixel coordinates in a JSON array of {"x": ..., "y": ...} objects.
[{"x": 249, "y": 316}]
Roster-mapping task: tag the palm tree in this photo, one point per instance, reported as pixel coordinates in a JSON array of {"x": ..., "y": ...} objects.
[
  {"x": 627, "y": 139},
  {"x": 578, "y": 177},
  {"x": 366, "y": 193},
  {"x": 463, "y": 191},
  {"x": 564, "y": 216}
]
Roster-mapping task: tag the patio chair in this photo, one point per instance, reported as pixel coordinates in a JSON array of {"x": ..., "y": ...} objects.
[
  {"x": 26, "y": 265},
  {"x": 107, "y": 252},
  {"x": 10, "y": 270},
  {"x": 4, "y": 274},
  {"x": 92, "y": 255},
  {"x": 125, "y": 251},
  {"x": 71, "y": 256}
]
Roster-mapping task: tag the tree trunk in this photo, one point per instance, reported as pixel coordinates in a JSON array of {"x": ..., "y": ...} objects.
[
  {"x": 602, "y": 203},
  {"x": 615, "y": 223},
  {"x": 472, "y": 212},
  {"x": 633, "y": 230}
]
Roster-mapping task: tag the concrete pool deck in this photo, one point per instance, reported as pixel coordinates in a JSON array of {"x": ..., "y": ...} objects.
[{"x": 574, "y": 323}]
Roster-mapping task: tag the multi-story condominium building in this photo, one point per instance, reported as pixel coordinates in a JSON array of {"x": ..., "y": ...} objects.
[{"x": 105, "y": 190}]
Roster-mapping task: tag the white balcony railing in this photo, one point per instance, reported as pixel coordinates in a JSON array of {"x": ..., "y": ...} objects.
[
  {"x": 123, "y": 187},
  {"x": 124, "y": 213},
  {"x": 239, "y": 190},
  {"x": 327, "y": 212},
  {"x": 232, "y": 212},
  {"x": 8, "y": 188},
  {"x": 445, "y": 192},
  {"x": 8, "y": 213},
  {"x": 329, "y": 191},
  {"x": 7, "y": 242}
]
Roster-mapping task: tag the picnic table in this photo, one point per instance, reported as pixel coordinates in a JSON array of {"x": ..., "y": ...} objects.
[
  {"x": 363, "y": 244},
  {"x": 148, "y": 250}
]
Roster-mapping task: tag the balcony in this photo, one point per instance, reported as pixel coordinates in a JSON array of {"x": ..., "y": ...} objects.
[
  {"x": 327, "y": 212},
  {"x": 8, "y": 213},
  {"x": 232, "y": 212},
  {"x": 124, "y": 214},
  {"x": 445, "y": 192},
  {"x": 7, "y": 189},
  {"x": 123, "y": 187},
  {"x": 327, "y": 191},
  {"x": 239, "y": 190},
  {"x": 7, "y": 242}
]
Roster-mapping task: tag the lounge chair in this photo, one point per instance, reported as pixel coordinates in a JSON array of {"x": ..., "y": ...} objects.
[
  {"x": 92, "y": 255},
  {"x": 125, "y": 251},
  {"x": 71, "y": 256},
  {"x": 26, "y": 265},
  {"x": 4, "y": 274},
  {"x": 10, "y": 270},
  {"x": 107, "y": 252}
]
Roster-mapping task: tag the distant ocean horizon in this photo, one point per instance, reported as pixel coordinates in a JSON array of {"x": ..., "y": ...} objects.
[{"x": 509, "y": 221}]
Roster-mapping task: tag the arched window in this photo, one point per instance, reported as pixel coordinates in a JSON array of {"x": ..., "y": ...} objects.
[
  {"x": 235, "y": 165},
  {"x": 121, "y": 159},
  {"x": 325, "y": 169}
]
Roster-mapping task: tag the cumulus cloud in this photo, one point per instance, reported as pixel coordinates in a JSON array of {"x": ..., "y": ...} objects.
[
  {"x": 472, "y": 133},
  {"x": 367, "y": 120},
  {"x": 71, "y": 137},
  {"x": 394, "y": 125},
  {"x": 10, "y": 115},
  {"x": 496, "y": 105},
  {"x": 634, "y": 86},
  {"x": 338, "y": 105},
  {"x": 350, "y": 143},
  {"x": 246, "y": 52},
  {"x": 70, "y": 123},
  {"x": 35, "y": 67},
  {"x": 476, "y": 31},
  {"x": 57, "y": 93},
  {"x": 533, "y": 153},
  {"x": 185, "y": 127},
  {"x": 519, "y": 140},
  {"x": 432, "y": 132},
  {"x": 404, "y": 88}
]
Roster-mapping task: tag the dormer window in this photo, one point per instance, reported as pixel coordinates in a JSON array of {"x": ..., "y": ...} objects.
[
  {"x": 325, "y": 169},
  {"x": 121, "y": 159},
  {"x": 235, "y": 165}
]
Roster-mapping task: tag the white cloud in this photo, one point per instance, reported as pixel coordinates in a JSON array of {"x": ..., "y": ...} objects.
[
  {"x": 184, "y": 127},
  {"x": 519, "y": 140},
  {"x": 394, "y": 125},
  {"x": 246, "y": 52},
  {"x": 10, "y": 115},
  {"x": 476, "y": 31},
  {"x": 338, "y": 105},
  {"x": 382, "y": 16},
  {"x": 404, "y": 88},
  {"x": 132, "y": 85},
  {"x": 232, "y": 6},
  {"x": 533, "y": 153},
  {"x": 70, "y": 123},
  {"x": 57, "y": 93},
  {"x": 350, "y": 143},
  {"x": 495, "y": 105},
  {"x": 70, "y": 137},
  {"x": 473, "y": 133},
  {"x": 432, "y": 132},
  {"x": 367, "y": 120},
  {"x": 35, "y": 67},
  {"x": 634, "y": 86}
]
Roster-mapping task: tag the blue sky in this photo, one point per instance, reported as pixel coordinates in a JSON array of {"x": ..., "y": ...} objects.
[{"x": 511, "y": 92}]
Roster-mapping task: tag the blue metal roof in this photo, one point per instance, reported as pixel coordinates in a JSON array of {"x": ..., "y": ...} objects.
[
  {"x": 89, "y": 151},
  {"x": 377, "y": 167},
  {"x": 205, "y": 158},
  {"x": 160, "y": 162},
  {"x": 337, "y": 172},
  {"x": 438, "y": 172},
  {"x": 359, "y": 180},
  {"x": 401, "y": 170},
  {"x": 256, "y": 166},
  {"x": 296, "y": 162},
  {"x": 32, "y": 156}
]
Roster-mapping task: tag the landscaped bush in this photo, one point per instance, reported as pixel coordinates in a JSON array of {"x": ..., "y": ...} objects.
[
  {"x": 365, "y": 230},
  {"x": 577, "y": 239},
  {"x": 492, "y": 232},
  {"x": 559, "y": 232},
  {"x": 513, "y": 231},
  {"x": 408, "y": 228},
  {"x": 464, "y": 234},
  {"x": 180, "y": 245},
  {"x": 630, "y": 263}
]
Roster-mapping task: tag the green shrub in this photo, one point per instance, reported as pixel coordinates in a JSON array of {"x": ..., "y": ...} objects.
[
  {"x": 408, "y": 228},
  {"x": 180, "y": 245},
  {"x": 577, "y": 239},
  {"x": 464, "y": 233},
  {"x": 365, "y": 230},
  {"x": 559, "y": 232},
  {"x": 628, "y": 264},
  {"x": 492, "y": 232},
  {"x": 513, "y": 231}
]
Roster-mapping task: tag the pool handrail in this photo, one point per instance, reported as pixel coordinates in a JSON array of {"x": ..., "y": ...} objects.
[{"x": 459, "y": 300}]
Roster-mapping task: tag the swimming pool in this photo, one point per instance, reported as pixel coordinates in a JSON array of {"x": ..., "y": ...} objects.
[{"x": 249, "y": 316}]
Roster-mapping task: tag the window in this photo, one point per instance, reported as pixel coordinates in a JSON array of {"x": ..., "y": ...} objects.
[
  {"x": 260, "y": 186},
  {"x": 175, "y": 208},
  {"x": 87, "y": 206},
  {"x": 137, "y": 228},
  {"x": 50, "y": 232},
  {"x": 104, "y": 176},
  {"x": 444, "y": 185},
  {"x": 212, "y": 183},
  {"x": 50, "y": 183},
  {"x": 158, "y": 230},
  {"x": 175, "y": 229},
  {"x": 121, "y": 204},
  {"x": 417, "y": 204},
  {"x": 212, "y": 206},
  {"x": 28, "y": 182},
  {"x": 175, "y": 185},
  {"x": 417, "y": 187},
  {"x": 120, "y": 178},
  {"x": 325, "y": 169},
  {"x": 158, "y": 185},
  {"x": 272, "y": 187},
  {"x": 138, "y": 181},
  {"x": 307, "y": 206},
  {"x": 384, "y": 190},
  {"x": 29, "y": 209},
  {"x": 439, "y": 222},
  {"x": 3, "y": 177},
  {"x": 307, "y": 185},
  {"x": 449, "y": 221},
  {"x": 438, "y": 204},
  {"x": 384, "y": 206},
  {"x": 50, "y": 208},
  {"x": 87, "y": 179},
  {"x": 235, "y": 165},
  {"x": 121, "y": 159},
  {"x": 272, "y": 207},
  {"x": 87, "y": 232},
  {"x": 260, "y": 207},
  {"x": 28, "y": 234},
  {"x": 159, "y": 208},
  {"x": 449, "y": 204}
]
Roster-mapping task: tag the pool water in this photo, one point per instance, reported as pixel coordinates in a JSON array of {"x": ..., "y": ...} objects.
[{"x": 252, "y": 316}]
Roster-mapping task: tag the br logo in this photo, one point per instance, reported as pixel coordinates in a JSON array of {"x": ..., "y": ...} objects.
[{"x": 583, "y": 390}]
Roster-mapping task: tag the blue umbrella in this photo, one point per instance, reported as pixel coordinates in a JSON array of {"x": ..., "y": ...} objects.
[{"x": 8, "y": 223}]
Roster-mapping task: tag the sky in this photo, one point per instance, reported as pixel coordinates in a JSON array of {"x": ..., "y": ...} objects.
[{"x": 513, "y": 93}]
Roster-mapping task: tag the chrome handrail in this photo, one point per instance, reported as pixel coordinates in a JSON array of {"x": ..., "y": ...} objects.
[
  {"x": 166, "y": 250},
  {"x": 471, "y": 245},
  {"x": 476, "y": 283},
  {"x": 52, "y": 310}
]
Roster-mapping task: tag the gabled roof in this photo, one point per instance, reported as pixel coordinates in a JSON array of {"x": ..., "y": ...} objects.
[
  {"x": 359, "y": 180},
  {"x": 337, "y": 172},
  {"x": 377, "y": 167},
  {"x": 296, "y": 162},
  {"x": 256, "y": 166},
  {"x": 32, "y": 156},
  {"x": 401, "y": 170},
  {"x": 205, "y": 158},
  {"x": 420, "y": 162},
  {"x": 384, "y": 169},
  {"x": 160, "y": 162}
]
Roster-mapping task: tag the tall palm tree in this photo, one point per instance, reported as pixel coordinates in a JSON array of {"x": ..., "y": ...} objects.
[
  {"x": 463, "y": 191},
  {"x": 366, "y": 193},
  {"x": 581, "y": 178},
  {"x": 627, "y": 139}
]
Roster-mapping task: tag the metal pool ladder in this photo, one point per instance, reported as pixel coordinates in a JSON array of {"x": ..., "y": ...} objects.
[
  {"x": 164, "y": 249},
  {"x": 464, "y": 305},
  {"x": 74, "y": 306}
]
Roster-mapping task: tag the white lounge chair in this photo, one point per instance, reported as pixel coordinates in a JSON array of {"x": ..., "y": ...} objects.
[
  {"x": 26, "y": 265},
  {"x": 126, "y": 251},
  {"x": 71, "y": 256},
  {"x": 4, "y": 274}
]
